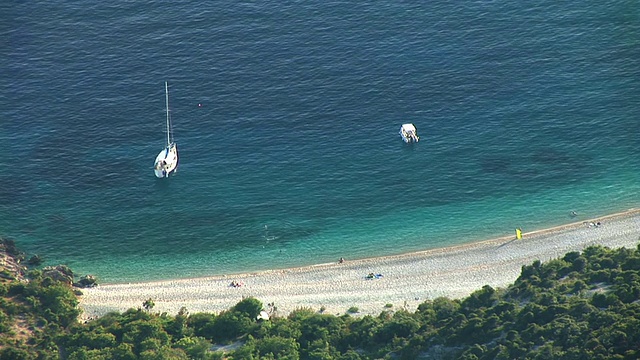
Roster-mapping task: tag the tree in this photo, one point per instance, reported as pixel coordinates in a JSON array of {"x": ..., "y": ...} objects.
[
  {"x": 145, "y": 335},
  {"x": 230, "y": 325},
  {"x": 249, "y": 307},
  {"x": 202, "y": 324},
  {"x": 485, "y": 297},
  {"x": 278, "y": 347},
  {"x": 195, "y": 347},
  {"x": 402, "y": 325},
  {"x": 15, "y": 354}
]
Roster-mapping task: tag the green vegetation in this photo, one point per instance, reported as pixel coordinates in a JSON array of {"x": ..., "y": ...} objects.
[{"x": 581, "y": 306}]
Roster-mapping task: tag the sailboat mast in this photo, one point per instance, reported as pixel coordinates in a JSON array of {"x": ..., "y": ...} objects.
[{"x": 166, "y": 95}]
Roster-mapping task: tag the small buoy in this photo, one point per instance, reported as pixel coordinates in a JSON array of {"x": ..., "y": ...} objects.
[{"x": 199, "y": 105}]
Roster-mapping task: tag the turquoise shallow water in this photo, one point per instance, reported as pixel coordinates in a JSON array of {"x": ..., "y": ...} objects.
[{"x": 287, "y": 116}]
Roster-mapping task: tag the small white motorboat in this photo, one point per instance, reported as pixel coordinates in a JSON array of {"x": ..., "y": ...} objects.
[{"x": 409, "y": 134}]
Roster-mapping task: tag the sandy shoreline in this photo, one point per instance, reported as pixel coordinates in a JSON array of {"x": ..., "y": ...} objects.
[{"x": 407, "y": 280}]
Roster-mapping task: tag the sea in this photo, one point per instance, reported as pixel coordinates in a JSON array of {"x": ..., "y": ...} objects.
[{"x": 286, "y": 115}]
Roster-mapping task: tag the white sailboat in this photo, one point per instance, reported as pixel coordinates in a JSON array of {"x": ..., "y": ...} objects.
[{"x": 167, "y": 160}]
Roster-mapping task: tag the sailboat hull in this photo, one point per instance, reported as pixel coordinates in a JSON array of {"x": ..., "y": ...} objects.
[{"x": 166, "y": 162}]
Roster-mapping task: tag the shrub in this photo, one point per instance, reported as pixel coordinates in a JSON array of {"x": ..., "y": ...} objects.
[
  {"x": 16, "y": 288},
  {"x": 6, "y": 274},
  {"x": 148, "y": 304}
]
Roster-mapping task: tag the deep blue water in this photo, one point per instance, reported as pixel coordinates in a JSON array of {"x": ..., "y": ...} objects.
[{"x": 287, "y": 117}]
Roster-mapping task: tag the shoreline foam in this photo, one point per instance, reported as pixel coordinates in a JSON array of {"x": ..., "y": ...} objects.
[{"x": 408, "y": 279}]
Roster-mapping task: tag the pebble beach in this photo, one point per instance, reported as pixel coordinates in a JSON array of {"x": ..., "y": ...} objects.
[{"x": 403, "y": 281}]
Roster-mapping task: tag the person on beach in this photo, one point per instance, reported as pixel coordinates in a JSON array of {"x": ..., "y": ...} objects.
[{"x": 341, "y": 260}]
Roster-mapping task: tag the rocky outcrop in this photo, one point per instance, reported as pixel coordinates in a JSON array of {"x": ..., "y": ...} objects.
[
  {"x": 87, "y": 281},
  {"x": 61, "y": 273},
  {"x": 10, "y": 258},
  {"x": 35, "y": 260},
  {"x": 12, "y": 268}
]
